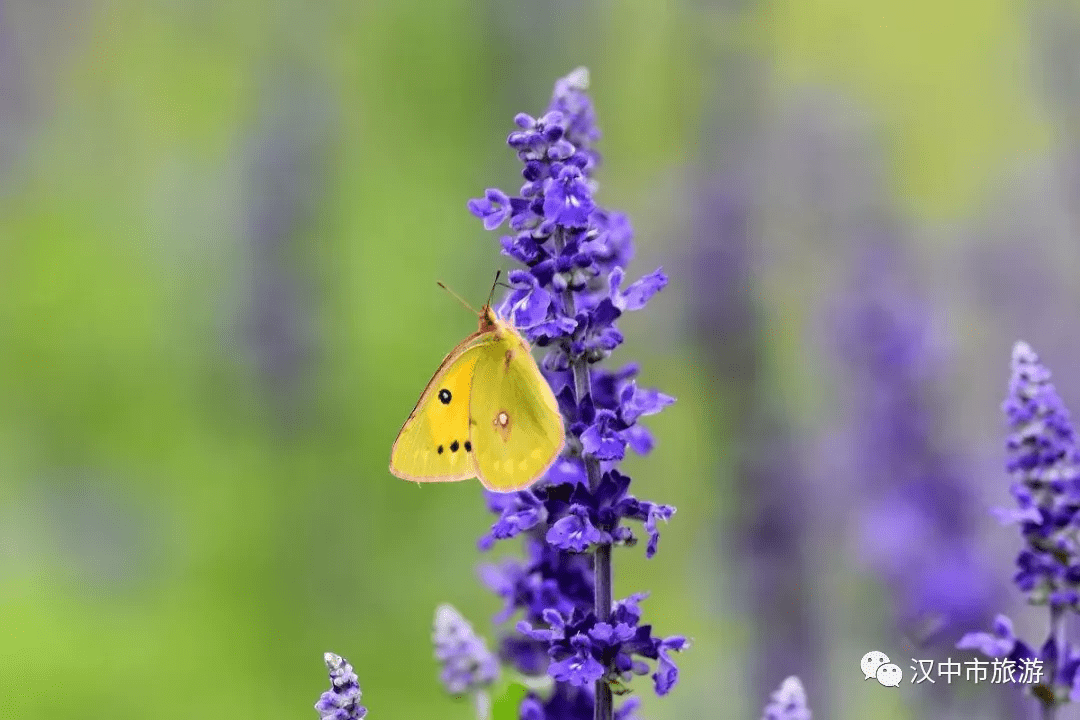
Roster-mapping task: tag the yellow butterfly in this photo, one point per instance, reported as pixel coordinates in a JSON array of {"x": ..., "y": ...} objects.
[{"x": 487, "y": 413}]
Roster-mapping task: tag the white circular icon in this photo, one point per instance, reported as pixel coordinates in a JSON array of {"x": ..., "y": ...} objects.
[
  {"x": 871, "y": 661},
  {"x": 890, "y": 675}
]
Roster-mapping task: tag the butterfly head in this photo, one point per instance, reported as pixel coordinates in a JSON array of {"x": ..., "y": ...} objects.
[
  {"x": 489, "y": 319},
  {"x": 492, "y": 322}
]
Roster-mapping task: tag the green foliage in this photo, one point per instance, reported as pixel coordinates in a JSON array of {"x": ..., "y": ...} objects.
[{"x": 507, "y": 700}]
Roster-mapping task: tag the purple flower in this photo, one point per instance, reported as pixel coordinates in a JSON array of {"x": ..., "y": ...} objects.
[
  {"x": 493, "y": 208},
  {"x": 574, "y": 531},
  {"x": 1042, "y": 446},
  {"x": 528, "y": 304},
  {"x": 667, "y": 674},
  {"x": 1002, "y": 642},
  {"x": 788, "y": 702},
  {"x": 579, "y": 667},
  {"x": 342, "y": 700},
  {"x": 567, "y": 200},
  {"x": 579, "y": 118},
  {"x": 518, "y": 512},
  {"x": 467, "y": 664},
  {"x": 568, "y": 300},
  {"x": 585, "y": 649},
  {"x": 577, "y": 517},
  {"x": 638, "y": 292},
  {"x": 1044, "y": 462}
]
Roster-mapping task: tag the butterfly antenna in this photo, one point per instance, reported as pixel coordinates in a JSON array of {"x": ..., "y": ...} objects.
[
  {"x": 493, "y": 286},
  {"x": 457, "y": 297}
]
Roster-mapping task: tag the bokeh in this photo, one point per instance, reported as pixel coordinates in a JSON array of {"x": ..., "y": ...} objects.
[{"x": 221, "y": 227}]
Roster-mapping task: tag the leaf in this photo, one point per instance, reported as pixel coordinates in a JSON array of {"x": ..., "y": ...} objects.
[{"x": 507, "y": 704}]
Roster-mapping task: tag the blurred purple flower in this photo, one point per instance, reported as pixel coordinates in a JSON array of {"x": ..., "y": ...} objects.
[
  {"x": 1002, "y": 642},
  {"x": 467, "y": 664},
  {"x": 788, "y": 702},
  {"x": 342, "y": 700},
  {"x": 547, "y": 580},
  {"x": 568, "y": 301},
  {"x": 767, "y": 538},
  {"x": 282, "y": 180},
  {"x": 917, "y": 496},
  {"x": 1044, "y": 462}
]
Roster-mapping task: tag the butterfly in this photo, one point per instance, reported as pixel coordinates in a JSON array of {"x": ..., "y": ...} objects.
[{"x": 487, "y": 413}]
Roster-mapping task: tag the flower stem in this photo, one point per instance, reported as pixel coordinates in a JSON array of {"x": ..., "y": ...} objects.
[
  {"x": 602, "y": 561},
  {"x": 605, "y": 704},
  {"x": 482, "y": 703},
  {"x": 1050, "y": 703}
]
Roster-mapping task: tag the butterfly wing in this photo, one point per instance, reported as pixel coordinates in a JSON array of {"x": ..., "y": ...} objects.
[
  {"x": 434, "y": 443},
  {"x": 517, "y": 431}
]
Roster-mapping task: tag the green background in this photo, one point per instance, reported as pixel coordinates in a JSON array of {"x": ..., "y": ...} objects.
[{"x": 185, "y": 528}]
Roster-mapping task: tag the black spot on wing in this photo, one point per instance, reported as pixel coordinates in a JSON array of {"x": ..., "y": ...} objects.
[
  {"x": 444, "y": 396},
  {"x": 439, "y": 450},
  {"x": 468, "y": 446},
  {"x": 454, "y": 446}
]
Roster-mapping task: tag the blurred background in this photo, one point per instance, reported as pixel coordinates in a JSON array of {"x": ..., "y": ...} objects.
[{"x": 220, "y": 230}]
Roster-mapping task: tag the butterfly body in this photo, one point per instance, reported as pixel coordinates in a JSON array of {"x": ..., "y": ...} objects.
[{"x": 487, "y": 413}]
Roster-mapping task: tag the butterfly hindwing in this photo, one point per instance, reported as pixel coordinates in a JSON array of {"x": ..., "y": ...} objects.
[
  {"x": 517, "y": 431},
  {"x": 434, "y": 443}
]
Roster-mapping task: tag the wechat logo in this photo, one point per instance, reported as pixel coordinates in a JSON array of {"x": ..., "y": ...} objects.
[{"x": 875, "y": 664}]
